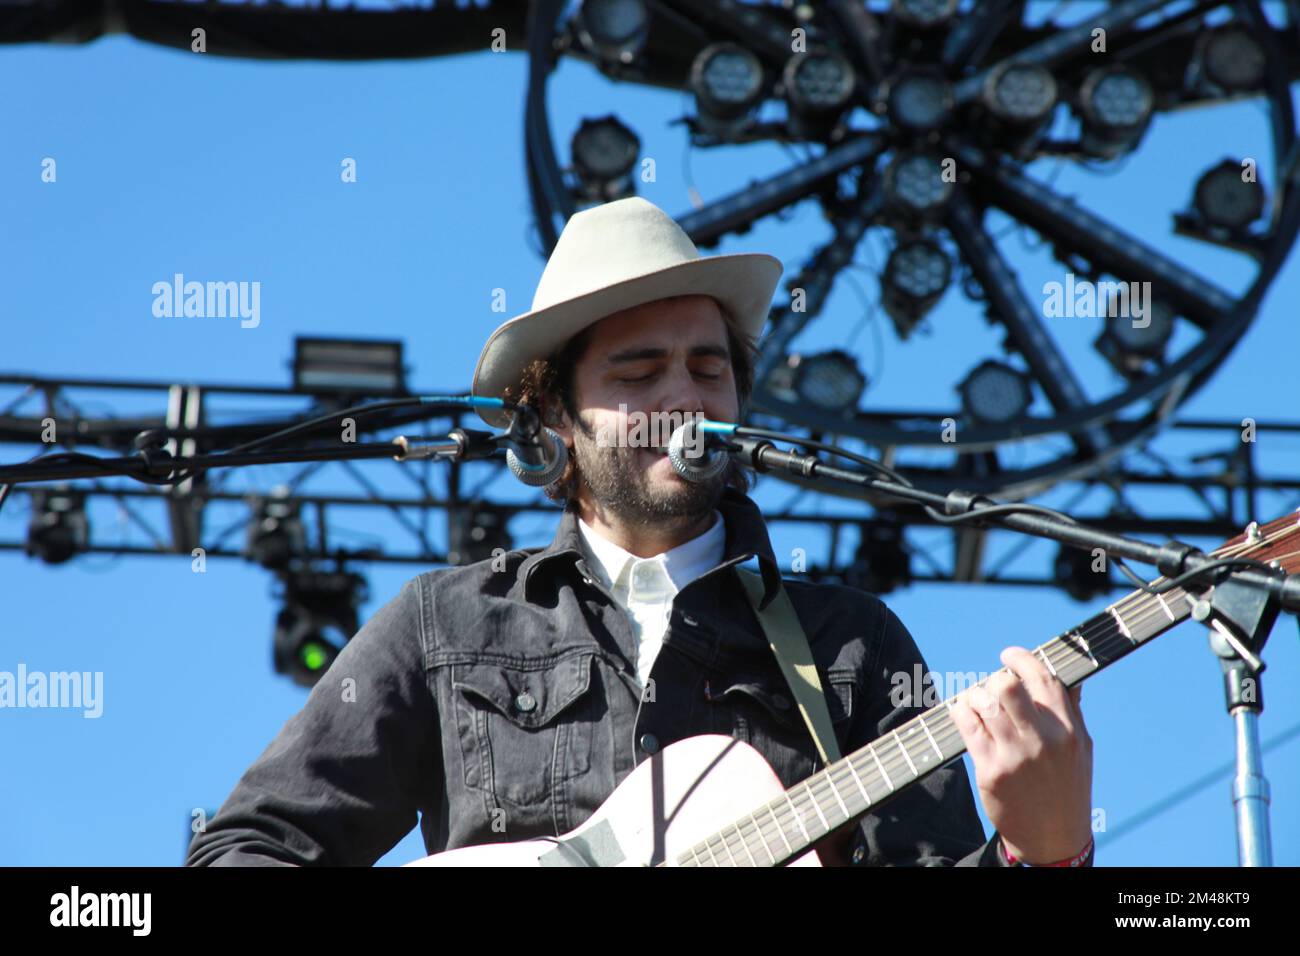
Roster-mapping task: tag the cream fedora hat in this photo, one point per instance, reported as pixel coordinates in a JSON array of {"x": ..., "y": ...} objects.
[{"x": 613, "y": 257}]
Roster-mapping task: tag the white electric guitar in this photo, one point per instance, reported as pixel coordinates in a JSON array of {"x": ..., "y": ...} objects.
[{"x": 714, "y": 801}]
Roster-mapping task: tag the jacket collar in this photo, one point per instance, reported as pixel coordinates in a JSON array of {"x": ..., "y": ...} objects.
[{"x": 746, "y": 538}]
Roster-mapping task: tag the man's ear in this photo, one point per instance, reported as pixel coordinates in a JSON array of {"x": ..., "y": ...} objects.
[{"x": 556, "y": 418}]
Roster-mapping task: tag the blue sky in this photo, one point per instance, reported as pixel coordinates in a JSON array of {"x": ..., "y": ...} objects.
[{"x": 229, "y": 170}]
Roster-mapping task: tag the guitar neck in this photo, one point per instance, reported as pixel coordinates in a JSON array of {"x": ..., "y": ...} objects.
[{"x": 845, "y": 790}]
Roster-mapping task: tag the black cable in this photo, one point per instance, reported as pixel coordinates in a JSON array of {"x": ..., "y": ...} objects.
[
  {"x": 1195, "y": 572},
  {"x": 1009, "y": 508},
  {"x": 285, "y": 432},
  {"x": 65, "y": 456},
  {"x": 142, "y": 437}
]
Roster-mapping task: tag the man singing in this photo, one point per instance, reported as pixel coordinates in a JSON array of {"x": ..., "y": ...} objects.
[{"x": 505, "y": 700}]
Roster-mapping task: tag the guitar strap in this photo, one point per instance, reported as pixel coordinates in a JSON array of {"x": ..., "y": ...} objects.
[{"x": 790, "y": 645}]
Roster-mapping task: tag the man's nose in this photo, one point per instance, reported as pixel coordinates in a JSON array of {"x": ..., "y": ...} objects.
[{"x": 682, "y": 392}]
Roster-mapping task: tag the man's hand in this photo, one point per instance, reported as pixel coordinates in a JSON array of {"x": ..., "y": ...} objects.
[{"x": 1033, "y": 758}]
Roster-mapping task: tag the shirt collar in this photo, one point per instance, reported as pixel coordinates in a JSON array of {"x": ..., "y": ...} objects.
[
  {"x": 682, "y": 564},
  {"x": 746, "y": 537}
]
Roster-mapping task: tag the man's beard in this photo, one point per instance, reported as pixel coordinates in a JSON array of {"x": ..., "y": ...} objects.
[{"x": 620, "y": 484}]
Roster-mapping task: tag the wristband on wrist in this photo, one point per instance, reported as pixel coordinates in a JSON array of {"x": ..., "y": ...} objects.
[{"x": 1077, "y": 860}]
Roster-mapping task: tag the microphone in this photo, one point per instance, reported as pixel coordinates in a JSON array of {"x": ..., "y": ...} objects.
[
  {"x": 537, "y": 456},
  {"x": 702, "y": 463}
]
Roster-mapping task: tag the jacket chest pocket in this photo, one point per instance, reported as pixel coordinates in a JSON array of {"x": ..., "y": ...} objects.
[
  {"x": 523, "y": 729},
  {"x": 761, "y": 710}
]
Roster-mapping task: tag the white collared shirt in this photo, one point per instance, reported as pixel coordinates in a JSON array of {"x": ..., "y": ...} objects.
[{"x": 645, "y": 587}]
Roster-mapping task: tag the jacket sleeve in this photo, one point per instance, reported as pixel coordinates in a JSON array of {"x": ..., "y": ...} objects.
[
  {"x": 344, "y": 779},
  {"x": 934, "y": 822}
]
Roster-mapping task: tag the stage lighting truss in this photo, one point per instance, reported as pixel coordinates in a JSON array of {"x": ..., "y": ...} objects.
[{"x": 965, "y": 147}]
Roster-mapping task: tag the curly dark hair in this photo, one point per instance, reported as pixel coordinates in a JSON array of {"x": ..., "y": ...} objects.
[{"x": 547, "y": 384}]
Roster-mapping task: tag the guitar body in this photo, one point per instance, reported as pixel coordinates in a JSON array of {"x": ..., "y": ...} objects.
[{"x": 678, "y": 798}]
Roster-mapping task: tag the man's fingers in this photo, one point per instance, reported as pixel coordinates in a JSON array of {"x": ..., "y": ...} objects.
[
  {"x": 1022, "y": 714},
  {"x": 1046, "y": 689},
  {"x": 1033, "y": 673},
  {"x": 973, "y": 732}
]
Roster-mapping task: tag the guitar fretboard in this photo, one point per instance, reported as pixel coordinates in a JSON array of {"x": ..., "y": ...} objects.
[{"x": 845, "y": 790}]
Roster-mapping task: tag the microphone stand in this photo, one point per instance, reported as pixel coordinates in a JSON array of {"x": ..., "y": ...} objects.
[{"x": 1240, "y": 611}]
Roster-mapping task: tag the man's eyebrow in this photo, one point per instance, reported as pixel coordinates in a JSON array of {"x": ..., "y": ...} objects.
[{"x": 637, "y": 355}]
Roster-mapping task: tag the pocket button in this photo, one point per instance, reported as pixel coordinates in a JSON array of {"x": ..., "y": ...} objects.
[{"x": 525, "y": 703}]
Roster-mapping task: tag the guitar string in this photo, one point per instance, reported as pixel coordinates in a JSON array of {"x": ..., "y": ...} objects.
[
  {"x": 777, "y": 817},
  {"x": 815, "y": 791},
  {"x": 837, "y": 794},
  {"x": 1065, "y": 658},
  {"x": 946, "y": 730},
  {"x": 781, "y": 815},
  {"x": 832, "y": 780},
  {"x": 844, "y": 778},
  {"x": 836, "y": 781}
]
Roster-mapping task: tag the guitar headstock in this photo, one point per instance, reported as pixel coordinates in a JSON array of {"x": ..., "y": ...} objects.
[{"x": 1276, "y": 541}]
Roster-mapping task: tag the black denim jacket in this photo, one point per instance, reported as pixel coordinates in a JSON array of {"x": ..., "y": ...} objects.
[{"x": 500, "y": 701}]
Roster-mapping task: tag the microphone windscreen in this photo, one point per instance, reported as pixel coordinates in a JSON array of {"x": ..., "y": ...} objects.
[
  {"x": 557, "y": 457},
  {"x": 702, "y": 467}
]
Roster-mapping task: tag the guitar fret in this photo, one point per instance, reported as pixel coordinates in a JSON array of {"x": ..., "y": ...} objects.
[
  {"x": 881, "y": 767},
  {"x": 780, "y": 831},
  {"x": 731, "y": 859},
  {"x": 831, "y": 781},
  {"x": 938, "y": 752},
  {"x": 923, "y": 757},
  {"x": 1123, "y": 628},
  {"x": 1042, "y": 656},
  {"x": 816, "y": 807},
  {"x": 1087, "y": 648},
  {"x": 762, "y": 839},
  {"x": 1161, "y": 599},
  {"x": 899, "y": 740},
  {"x": 794, "y": 810},
  {"x": 744, "y": 845},
  {"x": 712, "y": 855},
  {"x": 865, "y": 795}
]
